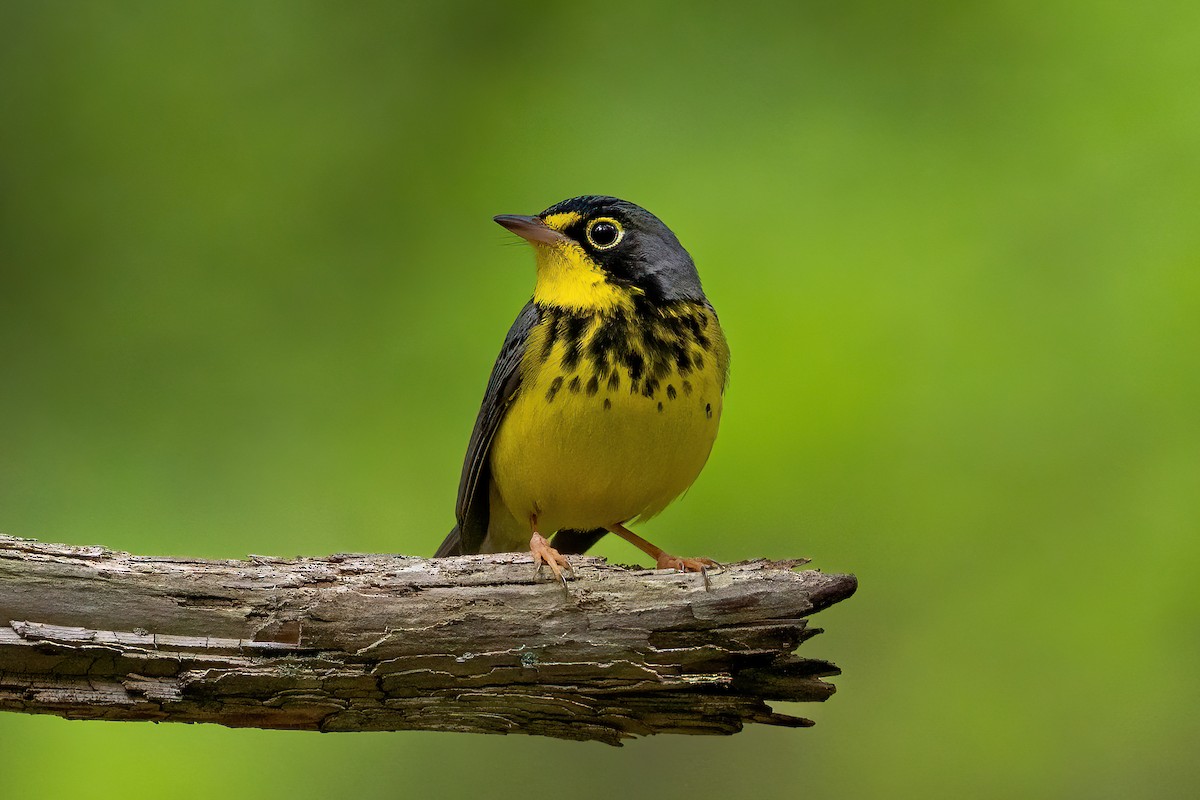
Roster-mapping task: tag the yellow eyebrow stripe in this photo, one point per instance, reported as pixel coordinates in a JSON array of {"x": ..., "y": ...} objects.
[{"x": 562, "y": 220}]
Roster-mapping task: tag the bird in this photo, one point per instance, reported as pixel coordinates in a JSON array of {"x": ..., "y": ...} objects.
[{"x": 604, "y": 402}]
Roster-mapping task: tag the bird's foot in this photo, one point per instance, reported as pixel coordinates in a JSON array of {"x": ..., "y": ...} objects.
[
  {"x": 545, "y": 555},
  {"x": 701, "y": 565}
]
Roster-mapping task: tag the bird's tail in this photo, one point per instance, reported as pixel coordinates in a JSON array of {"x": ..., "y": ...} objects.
[
  {"x": 567, "y": 542},
  {"x": 452, "y": 546},
  {"x": 571, "y": 542}
]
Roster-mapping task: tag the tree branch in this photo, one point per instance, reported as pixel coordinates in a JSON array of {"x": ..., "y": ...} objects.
[{"x": 373, "y": 642}]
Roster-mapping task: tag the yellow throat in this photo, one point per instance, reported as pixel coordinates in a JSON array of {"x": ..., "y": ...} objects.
[{"x": 567, "y": 276}]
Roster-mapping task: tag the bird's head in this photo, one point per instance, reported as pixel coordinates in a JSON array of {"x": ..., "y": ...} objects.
[{"x": 598, "y": 253}]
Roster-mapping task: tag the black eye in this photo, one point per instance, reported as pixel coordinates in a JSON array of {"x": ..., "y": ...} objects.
[{"x": 604, "y": 233}]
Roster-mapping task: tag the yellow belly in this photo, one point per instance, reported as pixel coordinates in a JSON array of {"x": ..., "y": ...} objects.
[{"x": 586, "y": 454}]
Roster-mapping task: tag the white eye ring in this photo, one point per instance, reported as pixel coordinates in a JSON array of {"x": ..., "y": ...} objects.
[{"x": 609, "y": 245}]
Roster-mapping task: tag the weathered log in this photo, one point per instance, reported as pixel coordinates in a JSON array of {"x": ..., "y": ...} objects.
[{"x": 378, "y": 642}]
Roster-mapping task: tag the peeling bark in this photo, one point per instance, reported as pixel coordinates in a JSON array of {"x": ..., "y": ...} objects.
[{"x": 376, "y": 642}]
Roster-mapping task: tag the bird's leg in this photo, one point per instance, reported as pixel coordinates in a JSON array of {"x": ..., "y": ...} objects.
[
  {"x": 663, "y": 559},
  {"x": 544, "y": 554}
]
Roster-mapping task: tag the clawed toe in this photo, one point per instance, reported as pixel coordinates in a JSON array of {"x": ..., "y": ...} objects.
[
  {"x": 545, "y": 555},
  {"x": 701, "y": 565},
  {"x": 666, "y": 561}
]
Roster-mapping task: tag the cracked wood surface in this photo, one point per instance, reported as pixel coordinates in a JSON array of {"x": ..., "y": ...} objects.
[{"x": 378, "y": 642}]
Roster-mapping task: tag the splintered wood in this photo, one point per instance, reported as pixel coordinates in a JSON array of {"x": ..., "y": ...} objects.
[{"x": 376, "y": 642}]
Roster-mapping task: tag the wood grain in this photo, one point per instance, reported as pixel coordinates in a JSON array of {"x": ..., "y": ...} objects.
[{"x": 379, "y": 642}]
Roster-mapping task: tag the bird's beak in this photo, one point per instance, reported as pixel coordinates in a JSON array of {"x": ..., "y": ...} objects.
[{"x": 531, "y": 229}]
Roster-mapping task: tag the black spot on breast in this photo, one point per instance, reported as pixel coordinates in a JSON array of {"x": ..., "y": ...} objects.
[
  {"x": 610, "y": 340},
  {"x": 708, "y": 410},
  {"x": 672, "y": 326},
  {"x": 574, "y": 385},
  {"x": 670, "y": 391},
  {"x": 651, "y": 341},
  {"x": 636, "y": 365},
  {"x": 698, "y": 361},
  {"x": 683, "y": 362},
  {"x": 575, "y": 327},
  {"x": 552, "y": 323},
  {"x": 607, "y": 404},
  {"x": 696, "y": 325},
  {"x": 687, "y": 388},
  {"x": 555, "y": 385},
  {"x": 593, "y": 385},
  {"x": 660, "y": 405},
  {"x": 649, "y": 387},
  {"x": 614, "y": 381}
]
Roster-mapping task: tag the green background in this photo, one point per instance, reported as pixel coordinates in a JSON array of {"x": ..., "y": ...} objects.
[{"x": 251, "y": 291}]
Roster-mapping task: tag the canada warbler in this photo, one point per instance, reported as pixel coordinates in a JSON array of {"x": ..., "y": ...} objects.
[{"x": 603, "y": 404}]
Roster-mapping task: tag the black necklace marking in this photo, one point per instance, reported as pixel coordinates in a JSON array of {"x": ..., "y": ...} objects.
[{"x": 649, "y": 343}]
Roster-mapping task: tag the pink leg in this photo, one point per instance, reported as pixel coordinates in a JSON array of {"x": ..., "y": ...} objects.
[{"x": 663, "y": 559}]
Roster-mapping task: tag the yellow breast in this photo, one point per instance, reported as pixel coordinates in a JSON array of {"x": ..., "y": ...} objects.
[{"x": 615, "y": 418}]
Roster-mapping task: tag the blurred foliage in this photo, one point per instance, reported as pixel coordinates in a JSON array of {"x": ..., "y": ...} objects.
[{"x": 250, "y": 291}]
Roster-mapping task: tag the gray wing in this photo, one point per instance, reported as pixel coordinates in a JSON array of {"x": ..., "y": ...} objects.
[{"x": 471, "y": 511}]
